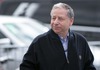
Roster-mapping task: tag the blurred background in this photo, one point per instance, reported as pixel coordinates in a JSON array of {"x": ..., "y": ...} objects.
[{"x": 22, "y": 20}]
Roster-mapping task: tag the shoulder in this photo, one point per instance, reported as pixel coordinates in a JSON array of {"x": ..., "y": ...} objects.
[
  {"x": 41, "y": 37},
  {"x": 80, "y": 38},
  {"x": 79, "y": 35},
  {"x": 80, "y": 41}
]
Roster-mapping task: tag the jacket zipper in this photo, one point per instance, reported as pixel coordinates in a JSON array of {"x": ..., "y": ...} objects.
[{"x": 67, "y": 60}]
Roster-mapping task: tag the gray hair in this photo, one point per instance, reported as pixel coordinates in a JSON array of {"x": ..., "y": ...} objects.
[{"x": 70, "y": 13}]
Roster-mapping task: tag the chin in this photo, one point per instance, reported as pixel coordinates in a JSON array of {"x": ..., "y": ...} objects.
[{"x": 57, "y": 31}]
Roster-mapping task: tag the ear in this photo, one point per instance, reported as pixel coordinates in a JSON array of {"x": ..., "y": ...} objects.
[{"x": 71, "y": 21}]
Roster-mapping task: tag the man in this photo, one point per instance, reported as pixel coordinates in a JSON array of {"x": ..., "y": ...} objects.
[{"x": 59, "y": 48}]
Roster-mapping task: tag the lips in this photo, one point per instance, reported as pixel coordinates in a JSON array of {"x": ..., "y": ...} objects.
[{"x": 56, "y": 27}]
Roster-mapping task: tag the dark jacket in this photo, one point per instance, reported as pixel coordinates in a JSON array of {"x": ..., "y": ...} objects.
[{"x": 46, "y": 53}]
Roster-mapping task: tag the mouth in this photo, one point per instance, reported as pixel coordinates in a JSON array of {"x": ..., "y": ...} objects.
[{"x": 56, "y": 28}]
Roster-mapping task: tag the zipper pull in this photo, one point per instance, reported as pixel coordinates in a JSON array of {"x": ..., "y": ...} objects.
[
  {"x": 67, "y": 60},
  {"x": 80, "y": 57}
]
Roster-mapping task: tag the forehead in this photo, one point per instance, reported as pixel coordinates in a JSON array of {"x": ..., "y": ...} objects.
[{"x": 59, "y": 12}]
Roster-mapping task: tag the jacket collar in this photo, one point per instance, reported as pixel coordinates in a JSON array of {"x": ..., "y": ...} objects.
[{"x": 53, "y": 34}]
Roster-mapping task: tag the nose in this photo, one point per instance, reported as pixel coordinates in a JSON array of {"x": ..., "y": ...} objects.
[{"x": 56, "y": 21}]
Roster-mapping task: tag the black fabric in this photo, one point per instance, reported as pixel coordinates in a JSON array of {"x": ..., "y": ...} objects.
[{"x": 46, "y": 53}]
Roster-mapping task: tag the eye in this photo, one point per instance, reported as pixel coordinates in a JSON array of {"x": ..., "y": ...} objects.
[
  {"x": 53, "y": 18},
  {"x": 60, "y": 18}
]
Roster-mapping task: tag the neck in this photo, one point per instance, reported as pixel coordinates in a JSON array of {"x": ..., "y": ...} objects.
[{"x": 63, "y": 34}]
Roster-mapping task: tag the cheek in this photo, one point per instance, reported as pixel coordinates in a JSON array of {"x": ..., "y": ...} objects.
[
  {"x": 51, "y": 23},
  {"x": 67, "y": 23},
  {"x": 66, "y": 26}
]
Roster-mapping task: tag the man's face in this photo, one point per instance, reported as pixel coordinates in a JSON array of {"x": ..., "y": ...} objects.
[{"x": 60, "y": 22}]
